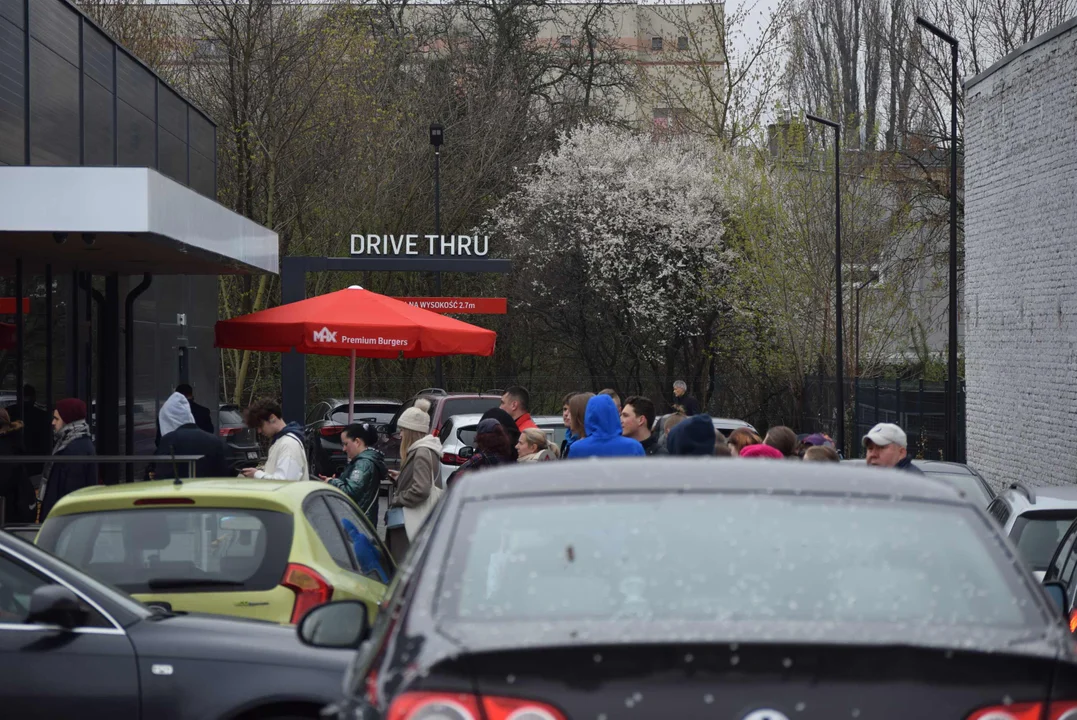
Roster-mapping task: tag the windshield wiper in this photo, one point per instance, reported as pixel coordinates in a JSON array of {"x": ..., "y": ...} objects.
[{"x": 166, "y": 583}]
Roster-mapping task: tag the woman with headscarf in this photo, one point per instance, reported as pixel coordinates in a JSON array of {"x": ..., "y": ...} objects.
[
  {"x": 492, "y": 448},
  {"x": 71, "y": 437}
]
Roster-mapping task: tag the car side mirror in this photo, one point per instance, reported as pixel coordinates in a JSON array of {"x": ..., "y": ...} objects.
[
  {"x": 1057, "y": 592},
  {"x": 55, "y": 605},
  {"x": 465, "y": 452},
  {"x": 342, "y": 624},
  {"x": 382, "y": 429}
]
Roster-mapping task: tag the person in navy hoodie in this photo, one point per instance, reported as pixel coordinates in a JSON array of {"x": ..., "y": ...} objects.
[{"x": 604, "y": 438}]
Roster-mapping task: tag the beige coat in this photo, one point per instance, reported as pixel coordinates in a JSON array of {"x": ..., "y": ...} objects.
[{"x": 419, "y": 474}]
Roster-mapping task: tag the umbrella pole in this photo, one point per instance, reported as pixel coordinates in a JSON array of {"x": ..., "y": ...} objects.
[{"x": 351, "y": 391}]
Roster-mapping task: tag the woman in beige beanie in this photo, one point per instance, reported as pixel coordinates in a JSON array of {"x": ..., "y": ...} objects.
[{"x": 418, "y": 482}]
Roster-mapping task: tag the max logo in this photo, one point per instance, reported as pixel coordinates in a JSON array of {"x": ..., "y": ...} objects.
[{"x": 324, "y": 335}]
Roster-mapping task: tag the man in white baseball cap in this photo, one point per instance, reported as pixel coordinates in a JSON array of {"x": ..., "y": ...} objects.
[{"x": 886, "y": 446}]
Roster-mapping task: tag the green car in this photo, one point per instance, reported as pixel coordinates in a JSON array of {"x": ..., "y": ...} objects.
[{"x": 260, "y": 549}]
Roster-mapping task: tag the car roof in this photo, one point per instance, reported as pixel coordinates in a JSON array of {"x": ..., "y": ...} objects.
[
  {"x": 222, "y": 492},
  {"x": 702, "y": 474},
  {"x": 940, "y": 467},
  {"x": 1043, "y": 497},
  {"x": 372, "y": 401}
]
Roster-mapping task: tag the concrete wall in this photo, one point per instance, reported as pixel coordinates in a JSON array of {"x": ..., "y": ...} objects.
[{"x": 1021, "y": 263}]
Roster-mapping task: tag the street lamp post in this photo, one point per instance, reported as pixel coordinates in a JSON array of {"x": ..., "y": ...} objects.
[
  {"x": 437, "y": 137},
  {"x": 856, "y": 356},
  {"x": 951, "y": 374},
  {"x": 840, "y": 379}
]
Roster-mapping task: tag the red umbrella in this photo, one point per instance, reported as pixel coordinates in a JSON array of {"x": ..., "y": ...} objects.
[{"x": 355, "y": 323}]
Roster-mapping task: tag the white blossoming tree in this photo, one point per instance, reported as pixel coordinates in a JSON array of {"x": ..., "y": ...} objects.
[{"x": 617, "y": 242}]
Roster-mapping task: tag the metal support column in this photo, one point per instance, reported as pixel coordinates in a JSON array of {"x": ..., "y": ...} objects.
[
  {"x": 129, "y": 370},
  {"x": 48, "y": 336},
  {"x": 293, "y": 288}
]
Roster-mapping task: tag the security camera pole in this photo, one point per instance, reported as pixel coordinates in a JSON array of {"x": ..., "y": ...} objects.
[
  {"x": 951, "y": 364},
  {"x": 437, "y": 137},
  {"x": 840, "y": 378}
]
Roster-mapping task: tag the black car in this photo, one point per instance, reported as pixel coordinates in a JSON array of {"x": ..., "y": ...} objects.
[
  {"x": 243, "y": 447},
  {"x": 73, "y": 647},
  {"x": 327, "y": 419},
  {"x": 957, "y": 475},
  {"x": 672, "y": 589}
]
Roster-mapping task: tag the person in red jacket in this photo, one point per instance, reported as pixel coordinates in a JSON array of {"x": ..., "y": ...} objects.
[{"x": 517, "y": 402}]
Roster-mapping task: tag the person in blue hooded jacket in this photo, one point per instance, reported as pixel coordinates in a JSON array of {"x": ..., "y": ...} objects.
[{"x": 604, "y": 439}]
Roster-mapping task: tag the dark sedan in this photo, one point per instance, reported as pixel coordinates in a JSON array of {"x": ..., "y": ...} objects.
[
  {"x": 242, "y": 441},
  {"x": 961, "y": 477},
  {"x": 72, "y": 647},
  {"x": 679, "y": 588},
  {"x": 327, "y": 419}
]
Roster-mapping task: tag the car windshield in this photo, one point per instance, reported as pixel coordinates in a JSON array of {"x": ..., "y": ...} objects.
[
  {"x": 230, "y": 416},
  {"x": 721, "y": 557},
  {"x": 469, "y": 405},
  {"x": 368, "y": 412},
  {"x": 1037, "y": 534},
  {"x": 181, "y": 549},
  {"x": 555, "y": 434}
]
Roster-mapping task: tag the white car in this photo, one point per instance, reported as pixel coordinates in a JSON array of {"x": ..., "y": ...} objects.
[
  {"x": 726, "y": 425},
  {"x": 458, "y": 433}
]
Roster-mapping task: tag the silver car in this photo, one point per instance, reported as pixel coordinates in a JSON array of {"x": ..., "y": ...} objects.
[{"x": 1035, "y": 519}]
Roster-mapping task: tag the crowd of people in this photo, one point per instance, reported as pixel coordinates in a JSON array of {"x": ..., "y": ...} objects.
[{"x": 596, "y": 425}]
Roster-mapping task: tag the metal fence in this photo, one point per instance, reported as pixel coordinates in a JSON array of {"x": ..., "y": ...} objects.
[{"x": 919, "y": 407}]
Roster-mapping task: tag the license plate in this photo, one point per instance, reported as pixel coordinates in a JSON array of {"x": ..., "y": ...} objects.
[{"x": 252, "y": 455}]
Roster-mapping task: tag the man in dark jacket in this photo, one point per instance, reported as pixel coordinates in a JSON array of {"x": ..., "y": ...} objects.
[
  {"x": 637, "y": 417},
  {"x": 202, "y": 417},
  {"x": 15, "y": 487},
  {"x": 886, "y": 447},
  {"x": 683, "y": 402},
  {"x": 37, "y": 428},
  {"x": 71, "y": 437},
  {"x": 189, "y": 439}
]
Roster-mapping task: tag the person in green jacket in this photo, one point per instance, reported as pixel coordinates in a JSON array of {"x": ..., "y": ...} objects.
[{"x": 362, "y": 477}]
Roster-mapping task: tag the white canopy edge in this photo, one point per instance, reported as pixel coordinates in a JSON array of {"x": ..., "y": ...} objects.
[{"x": 133, "y": 201}]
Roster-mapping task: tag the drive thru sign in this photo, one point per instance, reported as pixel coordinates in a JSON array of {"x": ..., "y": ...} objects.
[{"x": 454, "y": 306}]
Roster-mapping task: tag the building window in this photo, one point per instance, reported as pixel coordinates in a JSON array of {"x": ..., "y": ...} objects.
[
  {"x": 656, "y": 43},
  {"x": 565, "y": 41},
  {"x": 682, "y": 42},
  {"x": 668, "y": 120}
]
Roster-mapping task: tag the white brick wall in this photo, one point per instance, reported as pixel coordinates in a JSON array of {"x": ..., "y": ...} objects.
[{"x": 1021, "y": 266}]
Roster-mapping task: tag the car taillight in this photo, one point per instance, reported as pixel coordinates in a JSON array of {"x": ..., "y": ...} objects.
[
  {"x": 311, "y": 589},
  {"x": 450, "y": 458},
  {"x": 462, "y": 706},
  {"x": 226, "y": 432},
  {"x": 331, "y": 430},
  {"x": 1073, "y": 620},
  {"x": 1058, "y": 710}
]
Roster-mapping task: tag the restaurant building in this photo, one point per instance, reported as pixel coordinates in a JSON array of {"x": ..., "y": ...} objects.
[{"x": 109, "y": 227}]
